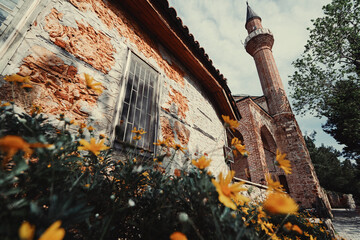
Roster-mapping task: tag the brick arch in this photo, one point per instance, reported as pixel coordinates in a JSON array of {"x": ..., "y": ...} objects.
[
  {"x": 269, "y": 146},
  {"x": 240, "y": 163}
]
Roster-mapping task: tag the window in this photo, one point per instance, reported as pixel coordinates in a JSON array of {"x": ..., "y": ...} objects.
[
  {"x": 138, "y": 106},
  {"x": 8, "y": 9}
]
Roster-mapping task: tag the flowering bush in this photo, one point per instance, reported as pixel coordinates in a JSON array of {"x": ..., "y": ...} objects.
[{"x": 58, "y": 185}]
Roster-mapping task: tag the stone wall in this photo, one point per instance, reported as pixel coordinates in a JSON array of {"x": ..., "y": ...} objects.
[{"x": 70, "y": 38}]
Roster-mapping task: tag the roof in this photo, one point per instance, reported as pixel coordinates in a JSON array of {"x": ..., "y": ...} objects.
[
  {"x": 250, "y": 14},
  {"x": 162, "y": 21}
]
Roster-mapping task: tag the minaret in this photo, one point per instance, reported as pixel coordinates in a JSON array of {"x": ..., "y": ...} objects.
[
  {"x": 303, "y": 183},
  {"x": 258, "y": 44}
]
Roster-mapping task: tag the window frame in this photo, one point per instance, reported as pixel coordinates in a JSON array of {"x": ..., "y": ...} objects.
[
  {"x": 12, "y": 33},
  {"x": 124, "y": 80}
]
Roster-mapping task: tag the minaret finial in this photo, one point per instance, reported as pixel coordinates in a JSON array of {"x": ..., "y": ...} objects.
[{"x": 250, "y": 14}]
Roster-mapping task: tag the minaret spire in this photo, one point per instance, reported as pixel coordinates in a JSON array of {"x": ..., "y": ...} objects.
[
  {"x": 258, "y": 44},
  {"x": 250, "y": 14}
]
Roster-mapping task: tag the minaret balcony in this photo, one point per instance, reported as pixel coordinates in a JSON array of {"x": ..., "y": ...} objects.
[{"x": 256, "y": 33}]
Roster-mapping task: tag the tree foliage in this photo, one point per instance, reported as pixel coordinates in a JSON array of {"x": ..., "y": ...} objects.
[
  {"x": 334, "y": 175},
  {"x": 326, "y": 80}
]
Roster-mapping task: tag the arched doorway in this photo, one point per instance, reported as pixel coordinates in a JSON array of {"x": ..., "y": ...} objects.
[
  {"x": 238, "y": 162},
  {"x": 269, "y": 146}
]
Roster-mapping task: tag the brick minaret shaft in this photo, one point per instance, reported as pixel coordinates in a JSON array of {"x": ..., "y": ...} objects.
[
  {"x": 303, "y": 183},
  {"x": 259, "y": 44}
]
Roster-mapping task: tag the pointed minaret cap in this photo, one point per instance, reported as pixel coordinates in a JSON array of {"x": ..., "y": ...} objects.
[{"x": 250, "y": 14}]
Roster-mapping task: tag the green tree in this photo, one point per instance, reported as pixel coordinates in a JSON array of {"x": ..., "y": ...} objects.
[
  {"x": 333, "y": 174},
  {"x": 326, "y": 81}
]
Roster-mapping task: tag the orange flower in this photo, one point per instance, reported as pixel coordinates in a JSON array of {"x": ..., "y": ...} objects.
[
  {"x": 294, "y": 227},
  {"x": 35, "y": 109},
  {"x": 282, "y": 162},
  {"x": 229, "y": 193},
  {"x": 54, "y": 232},
  {"x": 201, "y": 163},
  {"x": 92, "y": 146},
  {"x": 137, "y": 137},
  {"x": 280, "y": 203},
  {"x": 178, "y": 147},
  {"x": 238, "y": 147},
  {"x": 27, "y": 87},
  {"x": 140, "y": 131},
  {"x": 5, "y": 104},
  {"x": 162, "y": 143},
  {"x": 11, "y": 144},
  {"x": 102, "y": 136},
  {"x": 229, "y": 123},
  {"x": 91, "y": 128},
  {"x": 92, "y": 84},
  {"x": 177, "y": 172},
  {"x": 178, "y": 236},
  {"x": 273, "y": 185},
  {"x": 26, "y": 231},
  {"x": 17, "y": 78}
]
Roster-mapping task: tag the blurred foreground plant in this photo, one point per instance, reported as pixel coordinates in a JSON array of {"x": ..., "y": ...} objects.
[{"x": 67, "y": 187}]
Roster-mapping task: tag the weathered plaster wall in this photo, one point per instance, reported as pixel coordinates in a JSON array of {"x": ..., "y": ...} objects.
[{"x": 70, "y": 38}]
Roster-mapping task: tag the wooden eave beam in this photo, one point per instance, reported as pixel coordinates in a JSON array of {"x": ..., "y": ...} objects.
[{"x": 153, "y": 21}]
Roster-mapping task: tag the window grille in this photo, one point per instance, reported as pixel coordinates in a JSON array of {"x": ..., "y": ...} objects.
[
  {"x": 139, "y": 107},
  {"x": 8, "y": 9}
]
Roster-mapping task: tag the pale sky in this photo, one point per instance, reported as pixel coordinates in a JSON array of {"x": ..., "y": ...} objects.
[{"x": 219, "y": 27}]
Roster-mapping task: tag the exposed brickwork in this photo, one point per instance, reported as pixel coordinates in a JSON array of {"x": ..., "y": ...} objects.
[
  {"x": 58, "y": 88},
  {"x": 277, "y": 128},
  {"x": 166, "y": 129},
  {"x": 183, "y": 134},
  {"x": 180, "y": 101},
  {"x": 113, "y": 17},
  {"x": 84, "y": 42}
]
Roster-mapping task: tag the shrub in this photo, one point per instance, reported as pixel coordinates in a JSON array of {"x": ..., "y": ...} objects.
[{"x": 53, "y": 182}]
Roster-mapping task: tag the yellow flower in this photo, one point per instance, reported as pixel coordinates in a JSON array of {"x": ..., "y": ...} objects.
[
  {"x": 162, "y": 143},
  {"x": 229, "y": 123},
  {"x": 228, "y": 193},
  {"x": 26, "y": 231},
  {"x": 178, "y": 147},
  {"x": 92, "y": 146},
  {"x": 137, "y": 137},
  {"x": 294, "y": 227},
  {"x": 312, "y": 238},
  {"x": 238, "y": 147},
  {"x": 178, "y": 236},
  {"x": 201, "y": 163},
  {"x": 27, "y": 87},
  {"x": 273, "y": 185},
  {"x": 17, "y": 78},
  {"x": 92, "y": 84},
  {"x": 245, "y": 210},
  {"x": 240, "y": 200},
  {"x": 140, "y": 131},
  {"x": 11, "y": 144},
  {"x": 54, "y": 232},
  {"x": 282, "y": 162},
  {"x": 280, "y": 203},
  {"x": 35, "y": 109},
  {"x": 5, "y": 104},
  {"x": 267, "y": 227},
  {"x": 274, "y": 237}
]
